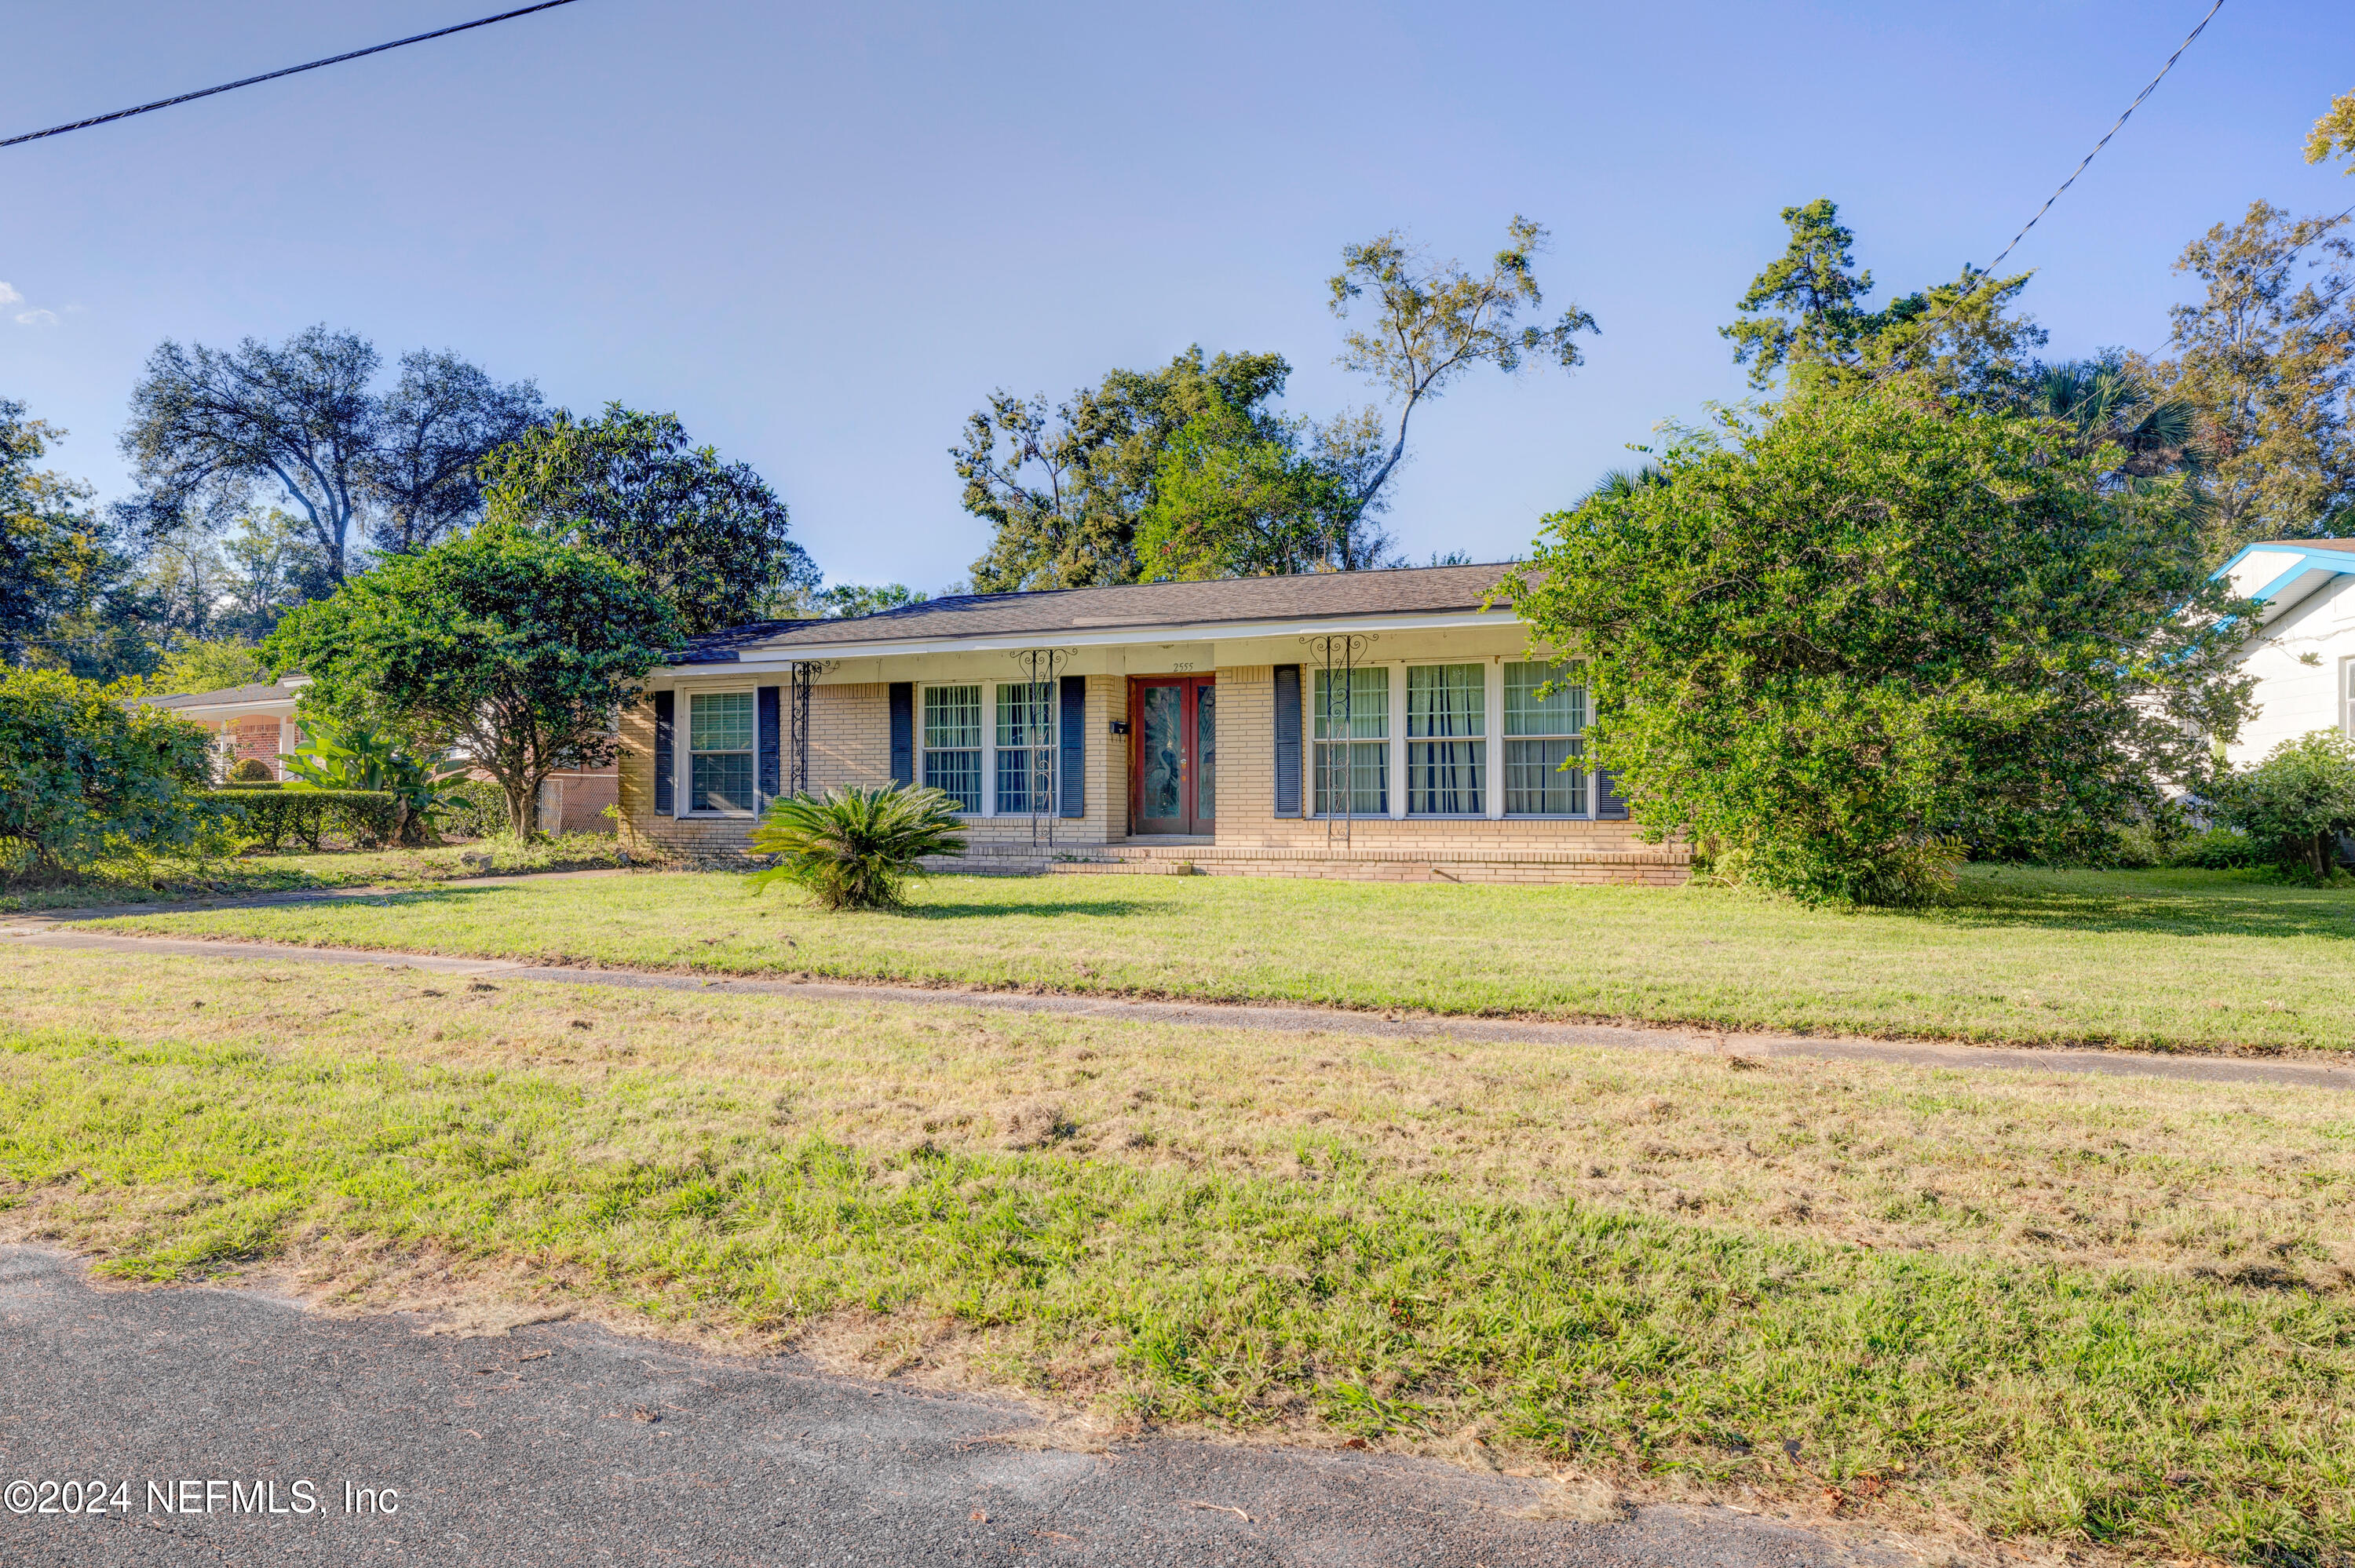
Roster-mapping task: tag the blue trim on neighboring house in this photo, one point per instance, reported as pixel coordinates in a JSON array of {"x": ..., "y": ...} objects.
[{"x": 2337, "y": 562}]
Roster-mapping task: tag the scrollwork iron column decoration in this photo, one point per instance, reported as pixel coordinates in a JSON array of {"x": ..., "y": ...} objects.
[
  {"x": 1337, "y": 654},
  {"x": 1039, "y": 666},
  {"x": 805, "y": 672}
]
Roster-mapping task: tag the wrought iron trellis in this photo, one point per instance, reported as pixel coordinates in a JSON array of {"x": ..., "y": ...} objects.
[
  {"x": 1039, "y": 666},
  {"x": 1337, "y": 654},
  {"x": 805, "y": 672}
]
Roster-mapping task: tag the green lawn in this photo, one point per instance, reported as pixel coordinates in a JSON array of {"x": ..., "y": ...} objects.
[
  {"x": 177, "y": 882},
  {"x": 2114, "y": 1313},
  {"x": 2193, "y": 960}
]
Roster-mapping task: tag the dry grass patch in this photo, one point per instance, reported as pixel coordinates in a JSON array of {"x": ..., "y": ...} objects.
[
  {"x": 2244, "y": 1183},
  {"x": 2108, "y": 1312}
]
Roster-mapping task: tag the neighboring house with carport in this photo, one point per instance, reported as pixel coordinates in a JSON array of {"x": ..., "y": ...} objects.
[
  {"x": 1378, "y": 725},
  {"x": 258, "y": 721},
  {"x": 2302, "y": 655},
  {"x": 254, "y": 721}
]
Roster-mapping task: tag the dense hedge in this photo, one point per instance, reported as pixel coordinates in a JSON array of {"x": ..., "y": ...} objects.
[{"x": 369, "y": 818}]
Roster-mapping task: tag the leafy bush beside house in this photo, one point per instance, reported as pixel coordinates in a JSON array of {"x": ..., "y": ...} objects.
[
  {"x": 2294, "y": 805},
  {"x": 1845, "y": 639},
  {"x": 86, "y": 775}
]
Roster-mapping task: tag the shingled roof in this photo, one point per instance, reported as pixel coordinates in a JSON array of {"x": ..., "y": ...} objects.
[
  {"x": 227, "y": 697},
  {"x": 1420, "y": 591}
]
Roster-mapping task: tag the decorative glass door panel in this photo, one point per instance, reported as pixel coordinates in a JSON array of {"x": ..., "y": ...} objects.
[{"x": 1173, "y": 728}]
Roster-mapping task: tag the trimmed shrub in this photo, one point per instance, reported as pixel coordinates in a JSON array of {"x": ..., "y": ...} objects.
[
  {"x": 471, "y": 808},
  {"x": 86, "y": 773},
  {"x": 251, "y": 770},
  {"x": 369, "y": 818},
  {"x": 855, "y": 848}
]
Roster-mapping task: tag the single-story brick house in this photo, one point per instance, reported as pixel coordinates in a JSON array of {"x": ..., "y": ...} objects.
[
  {"x": 1369, "y": 724},
  {"x": 258, "y": 721},
  {"x": 2303, "y": 654}
]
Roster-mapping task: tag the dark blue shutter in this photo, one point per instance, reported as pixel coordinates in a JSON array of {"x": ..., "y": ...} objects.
[
  {"x": 1071, "y": 749},
  {"x": 665, "y": 708},
  {"x": 1610, "y": 806},
  {"x": 1287, "y": 740},
  {"x": 903, "y": 732},
  {"x": 765, "y": 709}
]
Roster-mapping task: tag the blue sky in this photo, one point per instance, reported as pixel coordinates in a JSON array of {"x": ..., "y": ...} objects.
[{"x": 823, "y": 234}]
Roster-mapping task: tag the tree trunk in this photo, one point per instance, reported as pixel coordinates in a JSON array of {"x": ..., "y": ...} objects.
[{"x": 523, "y": 809}]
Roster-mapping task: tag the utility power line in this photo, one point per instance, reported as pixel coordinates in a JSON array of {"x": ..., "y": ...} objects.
[
  {"x": 290, "y": 70},
  {"x": 2113, "y": 131}
]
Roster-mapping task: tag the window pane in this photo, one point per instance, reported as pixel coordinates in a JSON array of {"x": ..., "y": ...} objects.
[
  {"x": 1536, "y": 783},
  {"x": 1026, "y": 779},
  {"x": 1446, "y": 700},
  {"x": 1444, "y": 777},
  {"x": 720, "y": 722},
  {"x": 1025, "y": 715},
  {"x": 1564, "y": 711},
  {"x": 1359, "y": 707},
  {"x": 953, "y": 716},
  {"x": 1367, "y": 770},
  {"x": 957, "y": 774},
  {"x": 721, "y": 781}
]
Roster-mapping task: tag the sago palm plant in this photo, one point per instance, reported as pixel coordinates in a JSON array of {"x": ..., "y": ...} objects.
[{"x": 855, "y": 848}]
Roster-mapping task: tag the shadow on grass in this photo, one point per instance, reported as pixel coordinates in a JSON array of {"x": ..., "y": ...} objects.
[
  {"x": 1101, "y": 908},
  {"x": 2168, "y": 903}
]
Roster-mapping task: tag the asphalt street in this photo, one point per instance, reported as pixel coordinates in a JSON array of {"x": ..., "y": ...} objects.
[{"x": 229, "y": 1427}]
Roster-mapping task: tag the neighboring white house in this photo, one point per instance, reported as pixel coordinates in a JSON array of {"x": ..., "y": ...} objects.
[{"x": 2304, "y": 658}]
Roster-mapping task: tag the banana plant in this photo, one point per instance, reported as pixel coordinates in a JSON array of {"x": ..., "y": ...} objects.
[{"x": 337, "y": 755}]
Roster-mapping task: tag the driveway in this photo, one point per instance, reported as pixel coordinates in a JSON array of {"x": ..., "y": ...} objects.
[{"x": 229, "y": 1427}]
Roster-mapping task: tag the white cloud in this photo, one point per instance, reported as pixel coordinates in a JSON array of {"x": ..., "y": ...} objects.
[
  {"x": 9, "y": 296},
  {"x": 36, "y": 318}
]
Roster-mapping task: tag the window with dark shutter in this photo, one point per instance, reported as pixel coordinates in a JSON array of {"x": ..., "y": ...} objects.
[
  {"x": 768, "y": 746},
  {"x": 1610, "y": 806},
  {"x": 1071, "y": 749},
  {"x": 1287, "y": 740},
  {"x": 904, "y": 733},
  {"x": 666, "y": 721}
]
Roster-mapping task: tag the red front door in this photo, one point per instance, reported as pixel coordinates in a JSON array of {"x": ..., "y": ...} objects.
[{"x": 1173, "y": 752}]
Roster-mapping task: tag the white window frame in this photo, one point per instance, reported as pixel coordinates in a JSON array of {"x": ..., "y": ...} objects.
[
  {"x": 683, "y": 753},
  {"x": 1394, "y": 721},
  {"x": 1589, "y": 788},
  {"x": 2346, "y": 697},
  {"x": 993, "y": 695},
  {"x": 988, "y": 746},
  {"x": 1486, "y": 786}
]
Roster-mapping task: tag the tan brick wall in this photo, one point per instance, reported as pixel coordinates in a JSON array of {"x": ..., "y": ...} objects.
[
  {"x": 850, "y": 744},
  {"x": 1247, "y": 803}
]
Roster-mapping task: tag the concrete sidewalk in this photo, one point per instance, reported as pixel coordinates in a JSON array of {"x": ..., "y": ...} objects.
[
  {"x": 564, "y": 1443},
  {"x": 2295, "y": 1072}
]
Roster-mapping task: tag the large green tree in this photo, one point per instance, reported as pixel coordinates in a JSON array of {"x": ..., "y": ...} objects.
[
  {"x": 1804, "y": 323},
  {"x": 1431, "y": 322},
  {"x": 1843, "y": 638},
  {"x": 1062, "y": 488},
  {"x": 513, "y": 648},
  {"x": 302, "y": 419},
  {"x": 708, "y": 535},
  {"x": 1235, "y": 499},
  {"x": 2266, "y": 361}
]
